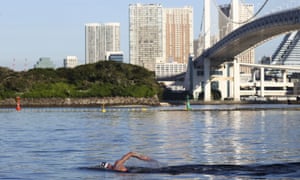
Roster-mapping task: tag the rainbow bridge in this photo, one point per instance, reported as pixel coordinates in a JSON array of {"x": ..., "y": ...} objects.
[{"x": 245, "y": 37}]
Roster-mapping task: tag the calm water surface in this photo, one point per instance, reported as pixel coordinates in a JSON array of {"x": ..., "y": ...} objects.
[{"x": 53, "y": 143}]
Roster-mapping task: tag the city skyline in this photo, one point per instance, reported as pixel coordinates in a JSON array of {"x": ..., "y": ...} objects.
[{"x": 55, "y": 29}]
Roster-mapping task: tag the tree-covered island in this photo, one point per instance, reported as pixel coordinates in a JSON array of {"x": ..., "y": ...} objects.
[{"x": 102, "y": 79}]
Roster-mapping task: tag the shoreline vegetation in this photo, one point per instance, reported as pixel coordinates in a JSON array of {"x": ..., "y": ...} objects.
[{"x": 105, "y": 82}]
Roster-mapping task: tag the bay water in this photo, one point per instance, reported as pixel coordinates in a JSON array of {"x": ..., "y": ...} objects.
[{"x": 62, "y": 143}]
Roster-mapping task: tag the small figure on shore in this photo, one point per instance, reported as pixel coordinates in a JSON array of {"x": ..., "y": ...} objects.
[{"x": 119, "y": 164}]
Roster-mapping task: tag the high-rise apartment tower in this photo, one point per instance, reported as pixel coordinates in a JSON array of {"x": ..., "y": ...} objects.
[
  {"x": 99, "y": 39},
  {"x": 160, "y": 35},
  {"x": 179, "y": 36},
  {"x": 146, "y": 35}
]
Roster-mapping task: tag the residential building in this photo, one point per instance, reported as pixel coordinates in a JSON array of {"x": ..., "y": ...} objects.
[
  {"x": 70, "y": 62},
  {"x": 111, "y": 38},
  {"x": 160, "y": 35},
  {"x": 146, "y": 46},
  {"x": 92, "y": 43},
  {"x": 99, "y": 39},
  {"x": 114, "y": 56},
  {"x": 178, "y": 30},
  {"x": 169, "y": 69},
  {"x": 44, "y": 62}
]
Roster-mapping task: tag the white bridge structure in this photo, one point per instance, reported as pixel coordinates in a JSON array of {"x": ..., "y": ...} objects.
[{"x": 220, "y": 57}]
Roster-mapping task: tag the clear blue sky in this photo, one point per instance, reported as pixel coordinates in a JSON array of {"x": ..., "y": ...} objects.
[{"x": 36, "y": 28}]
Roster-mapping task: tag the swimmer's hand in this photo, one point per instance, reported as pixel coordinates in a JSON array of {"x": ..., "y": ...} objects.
[
  {"x": 141, "y": 157},
  {"x": 145, "y": 158}
]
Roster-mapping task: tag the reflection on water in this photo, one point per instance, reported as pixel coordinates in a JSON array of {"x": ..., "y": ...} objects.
[{"x": 55, "y": 143}]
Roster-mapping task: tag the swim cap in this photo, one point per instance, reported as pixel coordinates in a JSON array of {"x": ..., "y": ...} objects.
[{"x": 104, "y": 164}]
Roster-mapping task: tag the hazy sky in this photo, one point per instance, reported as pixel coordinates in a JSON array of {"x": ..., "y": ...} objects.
[{"x": 55, "y": 28}]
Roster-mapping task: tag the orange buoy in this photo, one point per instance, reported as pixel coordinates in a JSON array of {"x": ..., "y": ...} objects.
[{"x": 18, "y": 101}]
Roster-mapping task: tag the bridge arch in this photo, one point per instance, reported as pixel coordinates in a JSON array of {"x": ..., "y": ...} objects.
[
  {"x": 247, "y": 36},
  {"x": 251, "y": 34}
]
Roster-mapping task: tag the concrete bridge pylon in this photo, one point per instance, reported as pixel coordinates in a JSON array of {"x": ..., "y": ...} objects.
[{"x": 207, "y": 28}]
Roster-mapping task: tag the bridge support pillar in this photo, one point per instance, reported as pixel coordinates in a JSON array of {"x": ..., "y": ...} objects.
[
  {"x": 262, "y": 82},
  {"x": 207, "y": 83},
  {"x": 253, "y": 72},
  {"x": 228, "y": 83},
  {"x": 223, "y": 84},
  {"x": 236, "y": 71},
  {"x": 284, "y": 76}
]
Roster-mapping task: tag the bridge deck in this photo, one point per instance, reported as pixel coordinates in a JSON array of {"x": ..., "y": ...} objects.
[{"x": 250, "y": 35}]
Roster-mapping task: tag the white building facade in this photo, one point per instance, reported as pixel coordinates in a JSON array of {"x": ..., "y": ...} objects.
[
  {"x": 146, "y": 46},
  {"x": 92, "y": 43},
  {"x": 70, "y": 62},
  {"x": 169, "y": 69},
  {"x": 114, "y": 56},
  {"x": 99, "y": 39},
  {"x": 45, "y": 62}
]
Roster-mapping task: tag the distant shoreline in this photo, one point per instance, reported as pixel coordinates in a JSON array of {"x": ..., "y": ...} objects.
[
  {"x": 80, "y": 102},
  {"x": 118, "y": 101}
]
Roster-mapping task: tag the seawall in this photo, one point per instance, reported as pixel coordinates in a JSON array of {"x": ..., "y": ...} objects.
[{"x": 80, "y": 102}]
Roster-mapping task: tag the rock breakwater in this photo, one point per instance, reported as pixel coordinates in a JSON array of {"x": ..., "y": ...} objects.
[{"x": 73, "y": 102}]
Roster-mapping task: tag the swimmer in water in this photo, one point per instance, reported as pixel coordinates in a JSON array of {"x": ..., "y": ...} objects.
[{"x": 119, "y": 164}]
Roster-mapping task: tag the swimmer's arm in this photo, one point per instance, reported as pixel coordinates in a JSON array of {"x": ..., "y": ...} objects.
[
  {"x": 141, "y": 157},
  {"x": 119, "y": 164},
  {"x": 132, "y": 154}
]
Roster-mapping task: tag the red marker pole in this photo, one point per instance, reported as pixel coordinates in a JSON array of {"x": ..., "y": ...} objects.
[{"x": 18, "y": 101}]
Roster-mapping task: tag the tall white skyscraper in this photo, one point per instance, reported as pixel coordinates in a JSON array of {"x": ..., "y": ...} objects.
[
  {"x": 113, "y": 36},
  {"x": 146, "y": 35},
  {"x": 99, "y": 39},
  {"x": 92, "y": 43}
]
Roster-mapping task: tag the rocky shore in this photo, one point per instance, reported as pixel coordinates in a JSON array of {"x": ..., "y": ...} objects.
[{"x": 80, "y": 102}]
